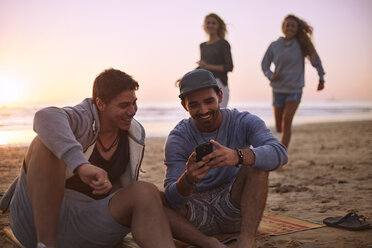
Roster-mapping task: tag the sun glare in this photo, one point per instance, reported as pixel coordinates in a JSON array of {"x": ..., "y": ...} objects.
[
  {"x": 11, "y": 89},
  {"x": 3, "y": 138},
  {"x": 19, "y": 137}
]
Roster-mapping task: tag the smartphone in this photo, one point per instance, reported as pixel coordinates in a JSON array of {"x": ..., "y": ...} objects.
[{"x": 202, "y": 150}]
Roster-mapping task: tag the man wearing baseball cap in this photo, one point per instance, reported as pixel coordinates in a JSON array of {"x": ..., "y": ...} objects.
[{"x": 226, "y": 191}]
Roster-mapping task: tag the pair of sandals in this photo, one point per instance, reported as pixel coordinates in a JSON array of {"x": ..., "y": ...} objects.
[{"x": 351, "y": 221}]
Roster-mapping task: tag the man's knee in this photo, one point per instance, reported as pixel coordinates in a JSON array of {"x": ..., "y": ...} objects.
[
  {"x": 145, "y": 191},
  {"x": 256, "y": 178},
  {"x": 145, "y": 187},
  {"x": 37, "y": 151},
  {"x": 251, "y": 173},
  {"x": 138, "y": 194},
  {"x": 38, "y": 156}
]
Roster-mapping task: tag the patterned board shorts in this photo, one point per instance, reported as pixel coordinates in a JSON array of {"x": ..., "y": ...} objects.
[{"x": 214, "y": 212}]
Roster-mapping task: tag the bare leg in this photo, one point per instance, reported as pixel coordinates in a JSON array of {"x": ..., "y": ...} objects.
[
  {"x": 183, "y": 230},
  {"x": 139, "y": 206},
  {"x": 186, "y": 232},
  {"x": 278, "y": 114},
  {"x": 288, "y": 114},
  {"x": 250, "y": 192},
  {"x": 45, "y": 185}
]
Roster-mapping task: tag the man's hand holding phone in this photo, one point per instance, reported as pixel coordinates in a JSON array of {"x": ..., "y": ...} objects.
[
  {"x": 203, "y": 150},
  {"x": 222, "y": 156},
  {"x": 195, "y": 166}
]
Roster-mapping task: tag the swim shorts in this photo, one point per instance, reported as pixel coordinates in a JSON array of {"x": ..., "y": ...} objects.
[
  {"x": 83, "y": 221},
  {"x": 214, "y": 212}
]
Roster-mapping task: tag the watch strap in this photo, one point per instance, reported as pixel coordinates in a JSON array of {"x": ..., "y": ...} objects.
[{"x": 240, "y": 156}]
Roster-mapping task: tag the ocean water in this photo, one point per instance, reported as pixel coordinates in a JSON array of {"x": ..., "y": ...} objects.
[{"x": 159, "y": 118}]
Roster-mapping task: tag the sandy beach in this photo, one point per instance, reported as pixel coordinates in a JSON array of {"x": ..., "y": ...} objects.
[{"x": 329, "y": 173}]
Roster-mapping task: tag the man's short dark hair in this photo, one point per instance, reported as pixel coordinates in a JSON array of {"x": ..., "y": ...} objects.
[{"x": 110, "y": 83}]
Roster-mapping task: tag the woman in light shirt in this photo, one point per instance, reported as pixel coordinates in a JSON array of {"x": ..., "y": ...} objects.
[{"x": 287, "y": 80}]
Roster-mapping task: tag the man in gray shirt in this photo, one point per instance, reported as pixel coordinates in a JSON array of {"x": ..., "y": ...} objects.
[
  {"x": 226, "y": 191},
  {"x": 78, "y": 185}
]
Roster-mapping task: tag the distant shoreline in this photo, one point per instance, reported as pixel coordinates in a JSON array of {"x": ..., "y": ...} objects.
[
  {"x": 271, "y": 127},
  {"x": 160, "y": 118}
]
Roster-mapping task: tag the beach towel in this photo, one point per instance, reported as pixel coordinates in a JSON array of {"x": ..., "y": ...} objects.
[{"x": 272, "y": 223}]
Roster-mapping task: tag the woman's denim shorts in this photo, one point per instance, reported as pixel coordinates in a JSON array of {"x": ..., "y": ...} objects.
[{"x": 279, "y": 99}]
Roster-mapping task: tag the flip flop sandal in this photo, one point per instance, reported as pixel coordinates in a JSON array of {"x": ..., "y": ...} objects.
[{"x": 351, "y": 221}]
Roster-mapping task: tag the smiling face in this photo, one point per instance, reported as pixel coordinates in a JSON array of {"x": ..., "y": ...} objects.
[
  {"x": 119, "y": 112},
  {"x": 289, "y": 28},
  {"x": 211, "y": 26},
  {"x": 203, "y": 107}
]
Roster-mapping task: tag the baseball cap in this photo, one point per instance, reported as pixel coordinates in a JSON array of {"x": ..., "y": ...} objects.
[{"x": 196, "y": 80}]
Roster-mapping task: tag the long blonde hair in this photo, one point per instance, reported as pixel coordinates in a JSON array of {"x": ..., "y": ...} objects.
[{"x": 221, "y": 32}]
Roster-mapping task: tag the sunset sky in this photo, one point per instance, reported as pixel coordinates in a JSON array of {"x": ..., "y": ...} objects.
[{"x": 51, "y": 51}]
